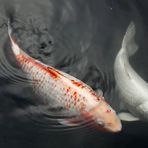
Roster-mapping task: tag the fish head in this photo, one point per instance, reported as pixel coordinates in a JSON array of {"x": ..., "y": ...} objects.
[{"x": 105, "y": 117}]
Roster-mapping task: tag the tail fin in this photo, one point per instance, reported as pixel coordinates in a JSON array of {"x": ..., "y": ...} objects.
[
  {"x": 15, "y": 47},
  {"x": 128, "y": 43}
]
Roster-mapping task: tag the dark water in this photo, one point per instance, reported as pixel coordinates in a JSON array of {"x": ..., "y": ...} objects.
[{"x": 80, "y": 37}]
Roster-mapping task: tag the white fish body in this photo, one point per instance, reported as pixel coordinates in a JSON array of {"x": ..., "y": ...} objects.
[
  {"x": 131, "y": 87},
  {"x": 60, "y": 90}
]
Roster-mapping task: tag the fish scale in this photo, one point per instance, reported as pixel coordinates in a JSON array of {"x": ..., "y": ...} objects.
[{"x": 44, "y": 83}]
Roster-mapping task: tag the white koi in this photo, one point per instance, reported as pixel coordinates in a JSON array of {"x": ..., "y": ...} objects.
[{"x": 131, "y": 87}]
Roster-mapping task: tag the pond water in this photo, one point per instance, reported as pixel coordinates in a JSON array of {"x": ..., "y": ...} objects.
[{"x": 82, "y": 38}]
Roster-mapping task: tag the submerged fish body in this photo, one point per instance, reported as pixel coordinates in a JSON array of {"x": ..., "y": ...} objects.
[
  {"x": 131, "y": 87},
  {"x": 61, "y": 90}
]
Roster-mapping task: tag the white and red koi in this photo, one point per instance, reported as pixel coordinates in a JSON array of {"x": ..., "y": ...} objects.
[{"x": 59, "y": 89}]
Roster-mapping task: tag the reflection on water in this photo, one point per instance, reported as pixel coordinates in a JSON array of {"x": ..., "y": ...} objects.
[{"x": 81, "y": 38}]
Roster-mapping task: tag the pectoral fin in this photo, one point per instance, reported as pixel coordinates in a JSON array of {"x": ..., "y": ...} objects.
[
  {"x": 125, "y": 116},
  {"x": 99, "y": 92},
  {"x": 76, "y": 121}
]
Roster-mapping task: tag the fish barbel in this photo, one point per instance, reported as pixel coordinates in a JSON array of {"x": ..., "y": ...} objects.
[{"x": 58, "y": 89}]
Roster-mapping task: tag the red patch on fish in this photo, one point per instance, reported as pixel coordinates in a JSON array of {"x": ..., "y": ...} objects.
[
  {"x": 75, "y": 95},
  {"x": 78, "y": 84},
  {"x": 108, "y": 110},
  {"x": 68, "y": 89},
  {"x": 53, "y": 73}
]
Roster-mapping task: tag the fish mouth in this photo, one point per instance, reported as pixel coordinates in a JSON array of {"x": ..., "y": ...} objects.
[
  {"x": 116, "y": 130},
  {"x": 112, "y": 129},
  {"x": 117, "y": 127}
]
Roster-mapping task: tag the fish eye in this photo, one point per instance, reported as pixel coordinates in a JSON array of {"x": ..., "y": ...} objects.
[{"x": 101, "y": 123}]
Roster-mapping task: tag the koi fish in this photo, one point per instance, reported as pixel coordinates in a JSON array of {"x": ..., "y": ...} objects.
[
  {"x": 132, "y": 89},
  {"x": 63, "y": 92}
]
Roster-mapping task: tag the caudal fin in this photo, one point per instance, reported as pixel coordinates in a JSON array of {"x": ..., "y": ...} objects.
[
  {"x": 128, "y": 42},
  {"x": 14, "y": 46}
]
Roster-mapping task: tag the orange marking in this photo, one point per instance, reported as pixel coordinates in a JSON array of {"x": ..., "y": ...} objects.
[
  {"x": 53, "y": 73},
  {"x": 49, "y": 67},
  {"x": 108, "y": 110},
  {"x": 78, "y": 84},
  {"x": 75, "y": 98},
  {"x": 98, "y": 98},
  {"x": 93, "y": 92},
  {"x": 75, "y": 95},
  {"x": 68, "y": 89}
]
